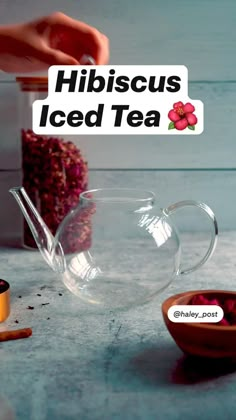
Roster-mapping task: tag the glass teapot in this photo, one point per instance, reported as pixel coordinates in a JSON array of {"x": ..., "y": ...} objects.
[{"x": 133, "y": 250}]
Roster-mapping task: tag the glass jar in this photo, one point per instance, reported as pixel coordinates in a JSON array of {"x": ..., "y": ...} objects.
[{"x": 54, "y": 170}]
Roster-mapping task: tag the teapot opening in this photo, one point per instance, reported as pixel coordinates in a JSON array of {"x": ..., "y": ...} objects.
[{"x": 119, "y": 195}]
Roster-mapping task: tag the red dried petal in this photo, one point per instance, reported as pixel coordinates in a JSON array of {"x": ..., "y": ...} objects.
[
  {"x": 229, "y": 305},
  {"x": 54, "y": 175},
  {"x": 231, "y": 316},
  {"x": 224, "y": 322},
  {"x": 199, "y": 300},
  {"x": 214, "y": 302}
]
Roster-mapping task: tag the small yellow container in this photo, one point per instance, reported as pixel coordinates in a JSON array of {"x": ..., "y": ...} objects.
[{"x": 4, "y": 300}]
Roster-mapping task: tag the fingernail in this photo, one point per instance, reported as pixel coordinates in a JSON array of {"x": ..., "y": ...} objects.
[{"x": 87, "y": 60}]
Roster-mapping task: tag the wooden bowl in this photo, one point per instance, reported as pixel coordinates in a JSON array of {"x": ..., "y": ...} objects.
[{"x": 204, "y": 340}]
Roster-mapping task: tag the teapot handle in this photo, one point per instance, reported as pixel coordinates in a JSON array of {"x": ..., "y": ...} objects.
[{"x": 214, "y": 228}]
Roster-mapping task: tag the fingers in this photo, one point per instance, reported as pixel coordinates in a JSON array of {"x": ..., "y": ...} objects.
[
  {"x": 52, "y": 57},
  {"x": 87, "y": 60},
  {"x": 100, "y": 49},
  {"x": 93, "y": 42},
  {"x": 97, "y": 46}
]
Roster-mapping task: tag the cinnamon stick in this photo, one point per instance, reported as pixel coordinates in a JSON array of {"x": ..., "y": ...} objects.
[{"x": 15, "y": 334}]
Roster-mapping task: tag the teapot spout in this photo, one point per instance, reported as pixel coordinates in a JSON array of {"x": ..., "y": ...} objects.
[{"x": 41, "y": 233}]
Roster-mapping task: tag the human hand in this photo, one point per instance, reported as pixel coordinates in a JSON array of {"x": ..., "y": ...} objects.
[{"x": 53, "y": 40}]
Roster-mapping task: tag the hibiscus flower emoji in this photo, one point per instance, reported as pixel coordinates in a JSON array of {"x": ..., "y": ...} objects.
[{"x": 182, "y": 116}]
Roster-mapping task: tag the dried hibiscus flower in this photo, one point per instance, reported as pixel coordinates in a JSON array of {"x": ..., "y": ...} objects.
[
  {"x": 54, "y": 175},
  {"x": 228, "y": 306},
  {"x": 202, "y": 300}
]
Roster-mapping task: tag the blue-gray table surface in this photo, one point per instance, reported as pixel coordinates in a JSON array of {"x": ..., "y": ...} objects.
[{"x": 78, "y": 365}]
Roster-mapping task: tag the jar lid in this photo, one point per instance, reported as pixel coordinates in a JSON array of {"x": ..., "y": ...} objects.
[
  {"x": 33, "y": 84},
  {"x": 4, "y": 300}
]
